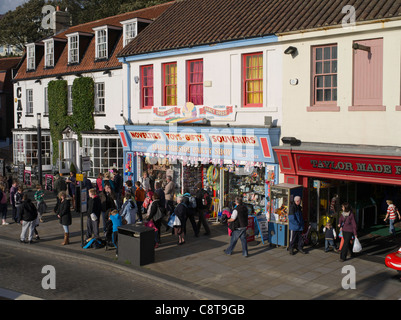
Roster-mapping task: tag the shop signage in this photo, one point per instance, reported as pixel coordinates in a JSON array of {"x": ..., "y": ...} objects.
[
  {"x": 233, "y": 144},
  {"x": 193, "y": 114},
  {"x": 352, "y": 165},
  {"x": 19, "y": 107}
]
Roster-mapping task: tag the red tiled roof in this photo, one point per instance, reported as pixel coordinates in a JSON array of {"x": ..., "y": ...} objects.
[
  {"x": 190, "y": 23},
  {"x": 88, "y": 63},
  {"x": 9, "y": 63}
]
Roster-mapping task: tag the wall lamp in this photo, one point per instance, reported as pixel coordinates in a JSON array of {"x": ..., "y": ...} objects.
[
  {"x": 291, "y": 141},
  {"x": 291, "y": 50},
  {"x": 107, "y": 72},
  {"x": 59, "y": 78},
  {"x": 79, "y": 75},
  {"x": 38, "y": 81},
  {"x": 357, "y": 46},
  {"x": 106, "y": 127},
  {"x": 136, "y": 79}
]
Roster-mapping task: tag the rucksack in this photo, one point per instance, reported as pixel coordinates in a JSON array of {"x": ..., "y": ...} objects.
[
  {"x": 3, "y": 198},
  {"x": 192, "y": 202},
  {"x": 95, "y": 243},
  {"x": 159, "y": 214},
  {"x": 207, "y": 200}
]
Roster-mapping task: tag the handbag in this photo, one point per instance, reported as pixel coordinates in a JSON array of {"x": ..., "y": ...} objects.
[
  {"x": 170, "y": 222},
  {"x": 159, "y": 214},
  {"x": 357, "y": 246}
]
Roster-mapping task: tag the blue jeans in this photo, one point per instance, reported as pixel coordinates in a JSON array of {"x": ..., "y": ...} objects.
[
  {"x": 392, "y": 228},
  {"x": 329, "y": 243},
  {"x": 239, "y": 233}
]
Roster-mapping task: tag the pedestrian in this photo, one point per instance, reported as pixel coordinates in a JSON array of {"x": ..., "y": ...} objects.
[
  {"x": 108, "y": 202},
  {"x": 329, "y": 237},
  {"x": 190, "y": 202},
  {"x": 392, "y": 210},
  {"x": 169, "y": 192},
  {"x": 349, "y": 229},
  {"x": 107, "y": 181},
  {"x": 152, "y": 210},
  {"x": 145, "y": 182},
  {"x": 99, "y": 181},
  {"x": 203, "y": 203},
  {"x": 129, "y": 187},
  {"x": 181, "y": 212},
  {"x": 117, "y": 222},
  {"x": 139, "y": 195},
  {"x": 296, "y": 225},
  {"x": 94, "y": 211},
  {"x": 59, "y": 184},
  {"x": 3, "y": 204},
  {"x": 40, "y": 202},
  {"x": 118, "y": 187},
  {"x": 72, "y": 182},
  {"x": 63, "y": 211},
  {"x": 129, "y": 209},
  {"x": 13, "y": 191},
  {"x": 18, "y": 202},
  {"x": 239, "y": 218},
  {"x": 28, "y": 217}
]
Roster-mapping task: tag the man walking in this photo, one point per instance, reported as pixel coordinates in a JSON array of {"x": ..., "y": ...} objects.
[
  {"x": 240, "y": 219},
  {"x": 296, "y": 225},
  {"x": 29, "y": 214}
]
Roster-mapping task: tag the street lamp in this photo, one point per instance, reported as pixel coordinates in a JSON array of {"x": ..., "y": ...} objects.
[{"x": 39, "y": 148}]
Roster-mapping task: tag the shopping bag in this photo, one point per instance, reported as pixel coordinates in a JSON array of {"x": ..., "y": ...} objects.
[
  {"x": 357, "y": 246},
  {"x": 171, "y": 221}
]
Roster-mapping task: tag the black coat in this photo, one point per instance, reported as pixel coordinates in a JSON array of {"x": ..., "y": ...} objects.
[
  {"x": 28, "y": 211},
  {"x": 181, "y": 212},
  {"x": 63, "y": 210},
  {"x": 94, "y": 206}
]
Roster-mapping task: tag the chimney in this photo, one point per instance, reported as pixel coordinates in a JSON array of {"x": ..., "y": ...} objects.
[{"x": 61, "y": 20}]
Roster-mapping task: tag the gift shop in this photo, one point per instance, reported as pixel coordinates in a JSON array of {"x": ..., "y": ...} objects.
[{"x": 228, "y": 161}]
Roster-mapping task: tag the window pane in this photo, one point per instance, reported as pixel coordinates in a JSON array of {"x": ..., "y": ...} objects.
[
  {"x": 318, "y": 67},
  {"x": 318, "y": 53},
  {"x": 327, "y": 81},
  {"x": 327, "y": 95},
  {"x": 334, "y": 67},
  {"x": 334, "y": 94},
  {"x": 334, "y": 52},
  {"x": 334, "y": 81},
  {"x": 327, "y": 53},
  {"x": 319, "y": 95},
  {"x": 326, "y": 67},
  {"x": 319, "y": 81}
]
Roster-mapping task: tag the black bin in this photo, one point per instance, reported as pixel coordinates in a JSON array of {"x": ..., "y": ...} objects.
[{"x": 136, "y": 244}]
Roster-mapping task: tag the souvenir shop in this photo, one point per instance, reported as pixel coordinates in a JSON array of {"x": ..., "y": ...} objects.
[
  {"x": 228, "y": 161},
  {"x": 363, "y": 176}
]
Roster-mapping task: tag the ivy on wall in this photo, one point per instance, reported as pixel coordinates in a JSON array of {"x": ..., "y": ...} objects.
[{"x": 82, "y": 109}]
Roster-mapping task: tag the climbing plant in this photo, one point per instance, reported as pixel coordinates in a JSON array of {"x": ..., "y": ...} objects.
[{"x": 82, "y": 109}]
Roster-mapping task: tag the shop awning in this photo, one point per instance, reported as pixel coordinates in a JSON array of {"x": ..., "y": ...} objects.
[
  {"x": 202, "y": 144},
  {"x": 365, "y": 163}
]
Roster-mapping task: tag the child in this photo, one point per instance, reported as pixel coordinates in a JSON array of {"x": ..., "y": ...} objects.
[
  {"x": 139, "y": 198},
  {"x": 40, "y": 203},
  {"x": 330, "y": 236},
  {"x": 391, "y": 215},
  {"x": 129, "y": 209},
  {"x": 117, "y": 222}
]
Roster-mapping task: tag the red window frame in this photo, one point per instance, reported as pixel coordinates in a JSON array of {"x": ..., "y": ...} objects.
[
  {"x": 249, "y": 79},
  {"x": 195, "y": 81},
  {"x": 324, "y": 75},
  {"x": 147, "y": 90},
  {"x": 169, "y": 84}
]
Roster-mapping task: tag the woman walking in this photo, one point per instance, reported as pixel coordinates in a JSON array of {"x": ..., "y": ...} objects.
[
  {"x": 348, "y": 226},
  {"x": 63, "y": 211}
]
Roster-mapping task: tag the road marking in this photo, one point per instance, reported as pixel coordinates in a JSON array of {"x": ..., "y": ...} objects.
[{"x": 12, "y": 295}]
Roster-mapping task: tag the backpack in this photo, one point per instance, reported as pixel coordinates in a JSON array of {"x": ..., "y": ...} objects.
[
  {"x": 95, "y": 243},
  {"x": 3, "y": 198},
  {"x": 192, "y": 202},
  {"x": 207, "y": 200},
  {"x": 159, "y": 214}
]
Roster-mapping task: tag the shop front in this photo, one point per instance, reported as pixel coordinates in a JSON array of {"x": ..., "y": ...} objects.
[
  {"x": 227, "y": 161},
  {"x": 363, "y": 176}
]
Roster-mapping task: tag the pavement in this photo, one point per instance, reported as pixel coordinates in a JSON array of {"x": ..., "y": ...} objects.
[{"x": 200, "y": 265}]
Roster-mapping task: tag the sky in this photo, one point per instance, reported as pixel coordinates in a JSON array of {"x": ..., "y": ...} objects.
[{"x": 7, "y": 5}]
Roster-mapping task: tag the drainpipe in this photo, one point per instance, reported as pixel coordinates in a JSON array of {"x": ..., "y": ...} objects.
[{"x": 128, "y": 90}]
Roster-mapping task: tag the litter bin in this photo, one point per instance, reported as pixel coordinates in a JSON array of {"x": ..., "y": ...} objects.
[{"x": 136, "y": 244}]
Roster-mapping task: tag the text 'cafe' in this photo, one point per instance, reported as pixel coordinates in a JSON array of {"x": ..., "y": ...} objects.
[{"x": 227, "y": 161}]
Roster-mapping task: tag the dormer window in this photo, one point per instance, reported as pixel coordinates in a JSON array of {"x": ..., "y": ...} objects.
[
  {"x": 132, "y": 27},
  {"x": 30, "y": 57},
  {"x": 73, "y": 48},
  {"x": 130, "y": 32},
  {"x": 101, "y": 43},
  {"x": 49, "y": 53}
]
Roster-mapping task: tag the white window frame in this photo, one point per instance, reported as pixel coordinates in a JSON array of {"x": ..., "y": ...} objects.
[
  {"x": 130, "y": 31},
  {"x": 73, "y": 51},
  {"x": 101, "y": 42},
  {"x": 29, "y": 101},
  {"x": 49, "y": 53},
  {"x": 100, "y": 98},
  {"x": 30, "y": 54}
]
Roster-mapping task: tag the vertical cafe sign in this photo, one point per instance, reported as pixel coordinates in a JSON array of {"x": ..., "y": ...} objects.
[{"x": 19, "y": 107}]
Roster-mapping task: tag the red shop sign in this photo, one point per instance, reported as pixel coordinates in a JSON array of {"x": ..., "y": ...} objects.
[{"x": 352, "y": 165}]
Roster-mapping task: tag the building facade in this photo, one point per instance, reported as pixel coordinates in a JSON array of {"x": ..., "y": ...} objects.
[{"x": 53, "y": 77}]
